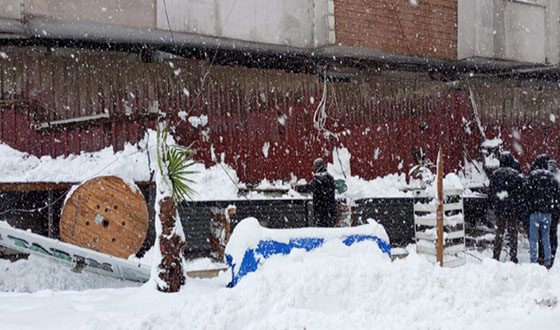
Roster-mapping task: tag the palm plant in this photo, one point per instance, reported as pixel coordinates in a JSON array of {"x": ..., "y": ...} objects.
[
  {"x": 173, "y": 185},
  {"x": 175, "y": 162}
]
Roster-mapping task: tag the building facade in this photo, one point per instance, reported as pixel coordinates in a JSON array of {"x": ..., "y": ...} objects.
[{"x": 395, "y": 78}]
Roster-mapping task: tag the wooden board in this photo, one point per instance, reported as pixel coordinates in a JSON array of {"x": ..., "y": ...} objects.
[{"x": 105, "y": 214}]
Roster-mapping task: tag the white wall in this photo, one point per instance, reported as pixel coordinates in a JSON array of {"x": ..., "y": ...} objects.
[
  {"x": 509, "y": 30},
  {"x": 296, "y": 23},
  {"x": 10, "y": 9},
  {"x": 525, "y": 32},
  {"x": 475, "y": 29}
]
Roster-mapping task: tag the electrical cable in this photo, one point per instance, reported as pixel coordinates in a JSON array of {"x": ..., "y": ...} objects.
[{"x": 168, "y": 23}]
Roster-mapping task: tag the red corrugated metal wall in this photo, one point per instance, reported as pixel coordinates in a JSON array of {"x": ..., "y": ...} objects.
[{"x": 379, "y": 120}]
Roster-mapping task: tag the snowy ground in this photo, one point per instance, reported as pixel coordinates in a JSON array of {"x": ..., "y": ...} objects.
[{"x": 330, "y": 288}]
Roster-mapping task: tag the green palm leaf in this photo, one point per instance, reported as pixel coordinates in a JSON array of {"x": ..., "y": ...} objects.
[{"x": 178, "y": 159}]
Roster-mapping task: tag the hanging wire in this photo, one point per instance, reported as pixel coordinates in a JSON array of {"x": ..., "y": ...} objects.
[
  {"x": 320, "y": 114},
  {"x": 168, "y": 23},
  {"x": 36, "y": 209}
]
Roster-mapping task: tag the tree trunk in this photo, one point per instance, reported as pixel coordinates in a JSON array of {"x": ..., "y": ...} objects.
[{"x": 171, "y": 248}]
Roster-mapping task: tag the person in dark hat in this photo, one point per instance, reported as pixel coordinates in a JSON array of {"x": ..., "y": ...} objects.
[
  {"x": 323, "y": 188},
  {"x": 504, "y": 195}
]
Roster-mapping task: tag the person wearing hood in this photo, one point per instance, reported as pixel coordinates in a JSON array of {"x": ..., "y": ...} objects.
[
  {"x": 323, "y": 188},
  {"x": 504, "y": 194},
  {"x": 541, "y": 193}
]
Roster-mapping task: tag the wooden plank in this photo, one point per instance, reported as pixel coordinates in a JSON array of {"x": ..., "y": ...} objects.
[
  {"x": 430, "y": 220},
  {"x": 421, "y": 249},
  {"x": 454, "y": 249},
  {"x": 418, "y": 207},
  {"x": 454, "y": 220},
  {"x": 448, "y": 250},
  {"x": 455, "y": 234},
  {"x": 454, "y": 262},
  {"x": 446, "y": 193},
  {"x": 425, "y": 220},
  {"x": 206, "y": 273},
  {"x": 429, "y": 236},
  {"x": 453, "y": 206}
]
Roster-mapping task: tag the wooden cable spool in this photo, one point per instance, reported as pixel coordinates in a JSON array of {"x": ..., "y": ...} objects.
[{"x": 105, "y": 214}]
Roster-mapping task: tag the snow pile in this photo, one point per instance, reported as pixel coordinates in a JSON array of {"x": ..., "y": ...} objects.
[
  {"x": 392, "y": 185},
  {"x": 353, "y": 287},
  {"x": 492, "y": 143},
  {"x": 250, "y": 244},
  {"x": 218, "y": 182},
  {"x": 473, "y": 175},
  {"x": 37, "y": 273},
  {"x": 21, "y": 167},
  {"x": 248, "y": 233},
  {"x": 198, "y": 121},
  {"x": 450, "y": 182}
]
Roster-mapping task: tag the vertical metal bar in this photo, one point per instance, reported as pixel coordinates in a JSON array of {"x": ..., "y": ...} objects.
[
  {"x": 440, "y": 209},
  {"x": 50, "y": 212}
]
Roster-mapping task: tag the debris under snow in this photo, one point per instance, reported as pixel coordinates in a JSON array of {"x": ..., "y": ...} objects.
[
  {"x": 201, "y": 121},
  {"x": 492, "y": 143},
  {"x": 182, "y": 115}
]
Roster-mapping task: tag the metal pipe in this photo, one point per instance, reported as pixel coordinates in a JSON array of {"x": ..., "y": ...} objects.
[{"x": 48, "y": 124}]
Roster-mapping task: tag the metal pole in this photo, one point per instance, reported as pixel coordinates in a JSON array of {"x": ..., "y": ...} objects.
[
  {"x": 50, "y": 213},
  {"x": 440, "y": 209}
]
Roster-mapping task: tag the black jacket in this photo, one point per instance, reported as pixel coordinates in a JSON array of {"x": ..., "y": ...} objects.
[
  {"x": 324, "y": 203},
  {"x": 504, "y": 192},
  {"x": 541, "y": 192}
]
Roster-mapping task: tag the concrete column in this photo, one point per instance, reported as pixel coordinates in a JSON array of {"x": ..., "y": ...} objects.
[
  {"x": 499, "y": 30},
  {"x": 552, "y": 31},
  {"x": 320, "y": 28}
]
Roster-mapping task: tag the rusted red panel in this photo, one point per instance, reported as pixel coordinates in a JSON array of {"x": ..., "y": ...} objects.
[
  {"x": 379, "y": 130},
  {"x": 74, "y": 141},
  {"x": 61, "y": 144},
  {"x": 9, "y": 125}
]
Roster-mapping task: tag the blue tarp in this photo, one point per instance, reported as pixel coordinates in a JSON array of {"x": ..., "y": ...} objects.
[{"x": 265, "y": 249}]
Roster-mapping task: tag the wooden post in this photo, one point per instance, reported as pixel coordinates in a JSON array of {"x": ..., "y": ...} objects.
[
  {"x": 220, "y": 231},
  {"x": 439, "y": 252}
]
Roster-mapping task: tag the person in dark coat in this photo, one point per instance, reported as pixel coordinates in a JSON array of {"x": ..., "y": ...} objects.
[
  {"x": 504, "y": 194},
  {"x": 540, "y": 163},
  {"x": 555, "y": 214},
  {"x": 541, "y": 193},
  {"x": 323, "y": 188},
  {"x": 543, "y": 162}
]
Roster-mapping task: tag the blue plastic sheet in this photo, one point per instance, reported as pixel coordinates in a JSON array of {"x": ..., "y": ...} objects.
[{"x": 253, "y": 257}]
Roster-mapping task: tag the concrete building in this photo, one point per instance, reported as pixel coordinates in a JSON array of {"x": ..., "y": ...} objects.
[{"x": 101, "y": 69}]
